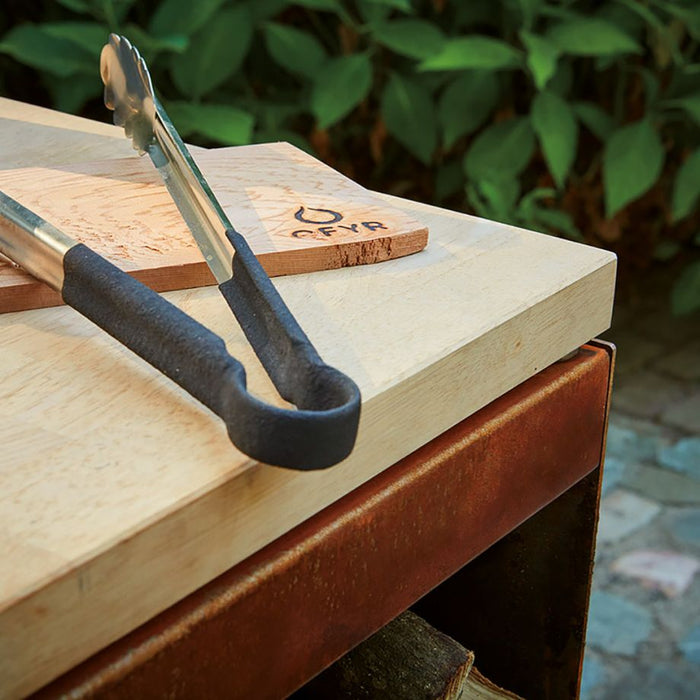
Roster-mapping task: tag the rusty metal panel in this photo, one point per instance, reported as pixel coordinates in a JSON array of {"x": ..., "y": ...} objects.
[
  {"x": 521, "y": 605},
  {"x": 270, "y": 623},
  {"x": 531, "y": 591}
]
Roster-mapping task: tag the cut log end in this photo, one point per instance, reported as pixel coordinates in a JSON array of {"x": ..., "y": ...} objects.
[{"x": 408, "y": 659}]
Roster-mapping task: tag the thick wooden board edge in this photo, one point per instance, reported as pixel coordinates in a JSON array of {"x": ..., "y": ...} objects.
[
  {"x": 348, "y": 254},
  {"x": 448, "y": 391}
]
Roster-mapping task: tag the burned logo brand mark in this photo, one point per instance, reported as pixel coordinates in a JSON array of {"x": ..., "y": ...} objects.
[
  {"x": 334, "y": 216},
  {"x": 324, "y": 229}
]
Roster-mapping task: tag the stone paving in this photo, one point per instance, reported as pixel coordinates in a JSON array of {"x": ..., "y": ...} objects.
[{"x": 644, "y": 625}]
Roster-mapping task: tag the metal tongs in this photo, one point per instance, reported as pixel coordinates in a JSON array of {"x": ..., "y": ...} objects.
[{"x": 322, "y": 429}]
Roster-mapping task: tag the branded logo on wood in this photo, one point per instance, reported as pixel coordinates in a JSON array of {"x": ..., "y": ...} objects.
[{"x": 327, "y": 223}]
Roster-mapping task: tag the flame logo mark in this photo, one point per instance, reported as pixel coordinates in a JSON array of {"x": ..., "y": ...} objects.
[{"x": 334, "y": 216}]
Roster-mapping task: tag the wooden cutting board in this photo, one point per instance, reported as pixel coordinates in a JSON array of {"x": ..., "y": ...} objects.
[{"x": 298, "y": 215}]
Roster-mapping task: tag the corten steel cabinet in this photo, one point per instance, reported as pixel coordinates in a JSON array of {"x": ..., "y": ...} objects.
[
  {"x": 142, "y": 556},
  {"x": 494, "y": 520}
]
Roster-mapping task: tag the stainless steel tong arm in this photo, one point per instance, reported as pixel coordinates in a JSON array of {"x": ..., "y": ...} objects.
[
  {"x": 129, "y": 92},
  {"x": 199, "y": 208},
  {"x": 321, "y": 428}
]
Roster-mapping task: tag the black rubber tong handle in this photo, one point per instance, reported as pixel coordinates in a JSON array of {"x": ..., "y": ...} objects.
[{"x": 318, "y": 434}]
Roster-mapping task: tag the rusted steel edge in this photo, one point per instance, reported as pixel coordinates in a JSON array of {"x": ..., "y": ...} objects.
[
  {"x": 611, "y": 351},
  {"x": 276, "y": 619}
]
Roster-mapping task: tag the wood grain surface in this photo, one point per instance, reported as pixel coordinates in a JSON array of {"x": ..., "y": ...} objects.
[
  {"x": 120, "y": 494},
  {"x": 32, "y": 135},
  {"x": 297, "y": 214}
]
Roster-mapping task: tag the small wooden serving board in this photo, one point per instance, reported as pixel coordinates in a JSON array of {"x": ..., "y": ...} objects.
[{"x": 297, "y": 214}]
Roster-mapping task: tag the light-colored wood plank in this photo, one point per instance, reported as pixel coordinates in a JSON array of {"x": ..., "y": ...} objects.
[
  {"x": 35, "y": 135},
  {"x": 122, "y": 210},
  {"x": 119, "y": 494}
]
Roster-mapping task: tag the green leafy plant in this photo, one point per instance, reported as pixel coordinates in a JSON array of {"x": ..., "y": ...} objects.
[{"x": 576, "y": 117}]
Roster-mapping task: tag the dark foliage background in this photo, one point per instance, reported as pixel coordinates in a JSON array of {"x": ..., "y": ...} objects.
[{"x": 574, "y": 117}]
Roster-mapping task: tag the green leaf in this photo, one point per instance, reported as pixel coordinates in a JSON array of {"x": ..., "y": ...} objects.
[
  {"x": 562, "y": 80},
  {"x": 79, "y": 6},
  {"x": 449, "y": 179},
  {"x": 89, "y": 36},
  {"x": 530, "y": 9},
  {"x": 70, "y": 94},
  {"x": 294, "y": 49},
  {"x": 403, "y": 5},
  {"x": 690, "y": 16},
  {"x": 414, "y": 38},
  {"x": 501, "y": 193},
  {"x": 112, "y": 10},
  {"x": 328, "y": 5},
  {"x": 32, "y": 45},
  {"x": 409, "y": 114},
  {"x": 684, "y": 81},
  {"x": 272, "y": 115},
  {"x": 556, "y": 128},
  {"x": 686, "y": 188},
  {"x": 182, "y": 16},
  {"x": 372, "y": 12},
  {"x": 466, "y": 104},
  {"x": 471, "y": 14},
  {"x": 150, "y": 45},
  {"x": 340, "y": 86},
  {"x": 592, "y": 36},
  {"x": 501, "y": 150},
  {"x": 666, "y": 250},
  {"x": 556, "y": 220},
  {"x": 626, "y": 20},
  {"x": 690, "y": 104},
  {"x": 495, "y": 199},
  {"x": 214, "y": 53},
  {"x": 685, "y": 295},
  {"x": 536, "y": 195},
  {"x": 595, "y": 119},
  {"x": 219, "y": 122},
  {"x": 632, "y": 163},
  {"x": 651, "y": 87},
  {"x": 662, "y": 40},
  {"x": 534, "y": 215},
  {"x": 542, "y": 57},
  {"x": 263, "y": 10},
  {"x": 473, "y": 52}
]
